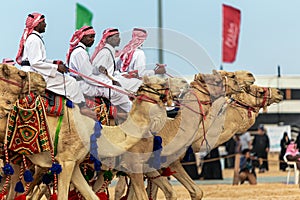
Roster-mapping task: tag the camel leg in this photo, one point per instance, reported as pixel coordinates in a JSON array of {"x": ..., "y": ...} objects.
[
  {"x": 13, "y": 181},
  {"x": 38, "y": 192},
  {"x": 37, "y": 177},
  {"x": 100, "y": 181},
  {"x": 120, "y": 187},
  {"x": 163, "y": 184},
  {"x": 64, "y": 178},
  {"x": 137, "y": 183},
  {"x": 82, "y": 185},
  {"x": 152, "y": 191},
  {"x": 181, "y": 175}
]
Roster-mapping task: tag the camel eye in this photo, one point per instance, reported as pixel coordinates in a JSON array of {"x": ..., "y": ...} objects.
[{"x": 8, "y": 102}]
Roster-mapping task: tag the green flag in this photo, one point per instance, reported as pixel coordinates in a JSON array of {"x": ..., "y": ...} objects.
[{"x": 83, "y": 16}]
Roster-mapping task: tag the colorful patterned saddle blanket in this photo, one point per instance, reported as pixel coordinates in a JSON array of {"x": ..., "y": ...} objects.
[
  {"x": 27, "y": 129},
  {"x": 102, "y": 107},
  {"x": 53, "y": 103}
]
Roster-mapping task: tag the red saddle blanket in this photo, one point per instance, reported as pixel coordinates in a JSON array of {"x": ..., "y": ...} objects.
[
  {"x": 102, "y": 107},
  {"x": 53, "y": 103},
  {"x": 27, "y": 129}
]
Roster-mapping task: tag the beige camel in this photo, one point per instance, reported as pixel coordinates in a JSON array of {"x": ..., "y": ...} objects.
[
  {"x": 178, "y": 133},
  {"x": 236, "y": 119},
  {"x": 212, "y": 135},
  {"x": 73, "y": 143}
]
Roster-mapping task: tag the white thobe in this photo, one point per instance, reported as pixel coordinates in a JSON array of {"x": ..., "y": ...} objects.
[
  {"x": 138, "y": 62},
  {"x": 35, "y": 53},
  {"x": 80, "y": 61},
  {"x": 106, "y": 58}
]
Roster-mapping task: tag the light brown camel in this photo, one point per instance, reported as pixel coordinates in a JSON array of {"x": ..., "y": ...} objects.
[
  {"x": 236, "y": 118},
  {"x": 207, "y": 87},
  {"x": 73, "y": 144},
  {"x": 212, "y": 134}
]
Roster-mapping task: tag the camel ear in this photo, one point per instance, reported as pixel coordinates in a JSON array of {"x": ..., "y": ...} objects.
[
  {"x": 231, "y": 74},
  {"x": 5, "y": 70},
  {"x": 215, "y": 72},
  {"x": 199, "y": 77},
  {"x": 22, "y": 74}
]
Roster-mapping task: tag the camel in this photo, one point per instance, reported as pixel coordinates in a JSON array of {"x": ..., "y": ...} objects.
[
  {"x": 73, "y": 144},
  {"x": 205, "y": 88},
  {"x": 181, "y": 175},
  {"x": 237, "y": 119}
]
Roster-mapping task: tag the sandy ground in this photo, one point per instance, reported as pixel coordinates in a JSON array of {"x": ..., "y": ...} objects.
[{"x": 262, "y": 191}]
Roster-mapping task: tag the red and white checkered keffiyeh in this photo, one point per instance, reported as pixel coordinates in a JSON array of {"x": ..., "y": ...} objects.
[
  {"x": 77, "y": 36},
  {"x": 138, "y": 37},
  {"x": 106, "y": 33},
  {"x": 32, "y": 21}
]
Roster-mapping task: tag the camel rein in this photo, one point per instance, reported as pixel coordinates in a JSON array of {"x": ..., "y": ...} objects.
[
  {"x": 130, "y": 95},
  {"x": 12, "y": 82}
]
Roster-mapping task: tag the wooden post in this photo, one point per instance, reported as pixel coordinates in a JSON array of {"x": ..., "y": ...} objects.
[{"x": 236, "y": 169}]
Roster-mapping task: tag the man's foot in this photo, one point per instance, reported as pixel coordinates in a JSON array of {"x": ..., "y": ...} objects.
[{"x": 88, "y": 112}]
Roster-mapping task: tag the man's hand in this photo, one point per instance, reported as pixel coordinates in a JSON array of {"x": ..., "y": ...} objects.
[
  {"x": 160, "y": 69},
  {"x": 103, "y": 70},
  {"x": 62, "y": 68},
  {"x": 116, "y": 83}
]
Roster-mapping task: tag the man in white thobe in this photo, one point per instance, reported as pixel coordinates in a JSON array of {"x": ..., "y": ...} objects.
[
  {"x": 32, "y": 57},
  {"x": 78, "y": 59},
  {"x": 131, "y": 60},
  {"x": 104, "y": 57}
]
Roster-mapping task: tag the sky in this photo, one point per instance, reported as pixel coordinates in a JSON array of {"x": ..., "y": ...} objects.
[{"x": 269, "y": 36}]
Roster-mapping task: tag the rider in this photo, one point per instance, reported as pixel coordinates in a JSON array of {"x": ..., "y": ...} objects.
[
  {"x": 78, "y": 60},
  {"x": 104, "y": 58},
  {"x": 32, "y": 57},
  {"x": 132, "y": 58}
]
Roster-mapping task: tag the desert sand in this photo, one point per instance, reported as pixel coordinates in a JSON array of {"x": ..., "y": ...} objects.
[{"x": 264, "y": 190}]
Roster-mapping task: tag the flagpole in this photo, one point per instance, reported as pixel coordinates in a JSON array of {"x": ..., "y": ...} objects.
[
  {"x": 160, "y": 33},
  {"x": 278, "y": 86}
]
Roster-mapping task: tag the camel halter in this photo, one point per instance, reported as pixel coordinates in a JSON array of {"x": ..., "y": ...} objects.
[
  {"x": 266, "y": 97},
  {"x": 147, "y": 88}
]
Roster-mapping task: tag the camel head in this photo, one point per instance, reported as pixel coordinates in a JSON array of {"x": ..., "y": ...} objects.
[
  {"x": 243, "y": 78},
  {"x": 34, "y": 83},
  {"x": 148, "y": 108},
  {"x": 21, "y": 83},
  {"x": 208, "y": 84},
  {"x": 15, "y": 83},
  {"x": 216, "y": 84},
  {"x": 156, "y": 89},
  {"x": 230, "y": 82},
  {"x": 177, "y": 86},
  {"x": 259, "y": 97}
]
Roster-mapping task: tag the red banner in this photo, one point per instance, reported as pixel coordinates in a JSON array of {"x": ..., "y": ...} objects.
[{"x": 231, "y": 31}]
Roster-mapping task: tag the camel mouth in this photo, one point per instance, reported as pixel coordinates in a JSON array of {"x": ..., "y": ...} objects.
[
  {"x": 278, "y": 99},
  {"x": 250, "y": 82}
]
